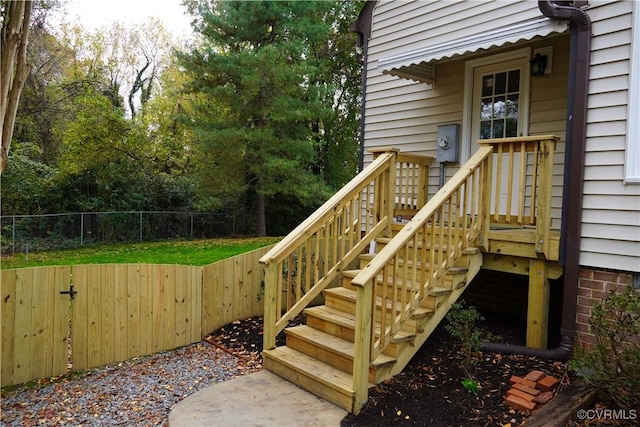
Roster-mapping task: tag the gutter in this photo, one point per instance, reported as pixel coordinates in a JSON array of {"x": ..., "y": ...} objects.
[{"x": 579, "y": 64}]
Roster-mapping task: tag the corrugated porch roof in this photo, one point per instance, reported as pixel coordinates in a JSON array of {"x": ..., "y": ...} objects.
[{"x": 419, "y": 64}]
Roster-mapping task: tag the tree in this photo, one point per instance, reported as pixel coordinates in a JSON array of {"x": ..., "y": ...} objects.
[
  {"x": 15, "y": 16},
  {"x": 256, "y": 77}
]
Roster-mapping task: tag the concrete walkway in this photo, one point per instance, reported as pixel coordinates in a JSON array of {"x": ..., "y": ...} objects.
[{"x": 258, "y": 399}]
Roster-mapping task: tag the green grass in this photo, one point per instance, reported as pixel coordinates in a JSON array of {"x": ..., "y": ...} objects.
[{"x": 195, "y": 252}]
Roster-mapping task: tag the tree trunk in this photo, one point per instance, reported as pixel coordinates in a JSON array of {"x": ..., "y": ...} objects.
[
  {"x": 261, "y": 216},
  {"x": 15, "y": 35}
]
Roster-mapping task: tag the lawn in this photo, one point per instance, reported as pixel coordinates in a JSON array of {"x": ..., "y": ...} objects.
[{"x": 192, "y": 252}]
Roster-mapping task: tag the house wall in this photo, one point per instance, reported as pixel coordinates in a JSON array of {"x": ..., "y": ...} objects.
[
  {"x": 593, "y": 286},
  {"x": 611, "y": 209},
  {"x": 405, "y": 114}
]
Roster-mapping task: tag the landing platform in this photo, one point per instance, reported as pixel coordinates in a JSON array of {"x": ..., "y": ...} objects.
[{"x": 258, "y": 399}]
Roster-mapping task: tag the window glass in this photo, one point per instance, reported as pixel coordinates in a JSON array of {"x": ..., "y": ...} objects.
[{"x": 500, "y": 104}]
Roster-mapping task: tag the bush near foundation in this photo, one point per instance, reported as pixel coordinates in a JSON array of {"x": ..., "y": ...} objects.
[{"x": 613, "y": 367}]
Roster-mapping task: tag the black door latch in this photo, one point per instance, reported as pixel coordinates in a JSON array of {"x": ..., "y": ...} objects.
[{"x": 70, "y": 292}]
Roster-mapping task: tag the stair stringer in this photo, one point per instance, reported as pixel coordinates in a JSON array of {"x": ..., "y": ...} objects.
[{"x": 474, "y": 264}]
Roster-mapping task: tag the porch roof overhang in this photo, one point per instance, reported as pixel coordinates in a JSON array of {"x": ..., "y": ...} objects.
[{"x": 419, "y": 65}]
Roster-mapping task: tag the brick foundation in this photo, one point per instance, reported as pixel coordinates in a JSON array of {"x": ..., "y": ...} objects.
[{"x": 593, "y": 287}]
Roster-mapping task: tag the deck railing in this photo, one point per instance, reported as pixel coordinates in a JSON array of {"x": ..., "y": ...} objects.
[
  {"x": 457, "y": 217},
  {"x": 522, "y": 176},
  {"x": 506, "y": 182},
  {"x": 312, "y": 256},
  {"x": 415, "y": 258}
]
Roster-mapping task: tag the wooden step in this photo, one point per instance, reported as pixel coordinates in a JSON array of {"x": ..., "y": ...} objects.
[
  {"x": 342, "y": 325},
  {"x": 332, "y": 321},
  {"x": 344, "y": 299},
  {"x": 331, "y": 350},
  {"x": 312, "y": 375}
]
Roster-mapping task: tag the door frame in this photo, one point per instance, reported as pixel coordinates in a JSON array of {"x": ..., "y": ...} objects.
[{"x": 522, "y": 55}]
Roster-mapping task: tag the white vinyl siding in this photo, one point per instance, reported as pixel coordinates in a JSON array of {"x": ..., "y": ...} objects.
[
  {"x": 405, "y": 114},
  {"x": 611, "y": 209}
]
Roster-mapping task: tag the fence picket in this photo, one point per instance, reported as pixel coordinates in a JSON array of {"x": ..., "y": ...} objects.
[
  {"x": 146, "y": 309},
  {"x": 120, "y": 313},
  {"x": 134, "y": 326},
  {"x": 8, "y": 326}
]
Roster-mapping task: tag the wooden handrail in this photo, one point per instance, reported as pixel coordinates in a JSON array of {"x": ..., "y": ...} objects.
[
  {"x": 312, "y": 256},
  {"x": 449, "y": 223},
  {"x": 457, "y": 217}
]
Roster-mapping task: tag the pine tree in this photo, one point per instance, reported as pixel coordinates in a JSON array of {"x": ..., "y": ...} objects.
[{"x": 255, "y": 77}]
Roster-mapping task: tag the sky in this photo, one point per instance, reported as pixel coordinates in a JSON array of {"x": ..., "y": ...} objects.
[{"x": 94, "y": 14}]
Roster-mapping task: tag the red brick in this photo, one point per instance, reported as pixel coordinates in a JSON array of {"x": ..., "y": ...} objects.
[
  {"x": 585, "y": 273},
  {"x": 605, "y": 276},
  {"x": 543, "y": 397},
  {"x": 581, "y": 327},
  {"x": 590, "y": 302},
  {"x": 520, "y": 380},
  {"x": 530, "y": 390},
  {"x": 582, "y": 318},
  {"x": 585, "y": 292},
  {"x": 547, "y": 383},
  {"x": 534, "y": 376},
  {"x": 521, "y": 394},
  {"x": 625, "y": 278},
  {"x": 599, "y": 294},
  {"x": 519, "y": 404},
  {"x": 583, "y": 309},
  {"x": 622, "y": 288},
  {"x": 591, "y": 284}
]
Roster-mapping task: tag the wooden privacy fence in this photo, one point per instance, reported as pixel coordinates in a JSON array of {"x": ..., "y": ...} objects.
[{"x": 105, "y": 313}]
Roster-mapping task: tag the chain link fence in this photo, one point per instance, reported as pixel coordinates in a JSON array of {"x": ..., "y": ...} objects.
[{"x": 24, "y": 233}]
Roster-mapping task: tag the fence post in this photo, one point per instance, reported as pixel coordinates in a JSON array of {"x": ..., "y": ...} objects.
[
  {"x": 81, "y": 228},
  {"x": 13, "y": 234},
  {"x": 140, "y": 226}
]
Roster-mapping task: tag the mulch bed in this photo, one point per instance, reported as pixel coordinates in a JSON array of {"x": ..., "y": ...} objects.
[
  {"x": 429, "y": 390},
  {"x": 142, "y": 391}
]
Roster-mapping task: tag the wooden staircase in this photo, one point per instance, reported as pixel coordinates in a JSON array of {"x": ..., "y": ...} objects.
[
  {"x": 380, "y": 308},
  {"x": 319, "y": 356}
]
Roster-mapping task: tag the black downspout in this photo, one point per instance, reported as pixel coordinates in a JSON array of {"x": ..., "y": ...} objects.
[
  {"x": 363, "y": 28},
  {"x": 573, "y": 178},
  {"x": 363, "y": 103}
]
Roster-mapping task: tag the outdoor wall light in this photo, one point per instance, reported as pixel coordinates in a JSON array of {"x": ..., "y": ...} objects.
[{"x": 538, "y": 64}]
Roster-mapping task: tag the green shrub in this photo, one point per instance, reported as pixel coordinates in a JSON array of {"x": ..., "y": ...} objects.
[
  {"x": 463, "y": 325},
  {"x": 613, "y": 366}
]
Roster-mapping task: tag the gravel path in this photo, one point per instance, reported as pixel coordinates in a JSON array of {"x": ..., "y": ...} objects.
[{"x": 138, "y": 392}]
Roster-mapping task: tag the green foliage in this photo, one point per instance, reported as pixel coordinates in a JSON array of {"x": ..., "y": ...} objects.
[
  {"x": 470, "y": 385},
  {"x": 263, "y": 97},
  {"x": 463, "y": 326},
  {"x": 613, "y": 366},
  {"x": 26, "y": 184},
  {"x": 263, "y": 106}
]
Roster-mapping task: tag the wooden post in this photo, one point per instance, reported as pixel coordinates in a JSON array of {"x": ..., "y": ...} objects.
[
  {"x": 538, "y": 305},
  {"x": 543, "y": 214},
  {"x": 270, "y": 305},
  {"x": 362, "y": 344},
  {"x": 485, "y": 202}
]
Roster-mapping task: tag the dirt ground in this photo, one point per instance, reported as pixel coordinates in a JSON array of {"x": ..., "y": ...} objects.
[{"x": 429, "y": 391}]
